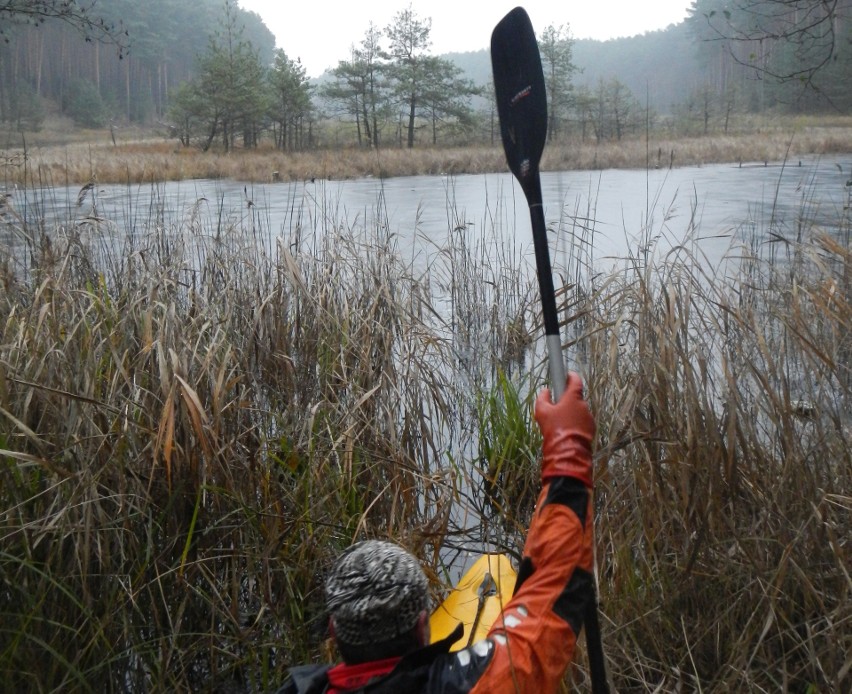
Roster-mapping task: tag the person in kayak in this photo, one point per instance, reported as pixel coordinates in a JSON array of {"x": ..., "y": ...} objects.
[{"x": 377, "y": 594}]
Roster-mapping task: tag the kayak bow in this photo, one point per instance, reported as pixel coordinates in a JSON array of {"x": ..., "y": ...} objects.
[{"x": 476, "y": 601}]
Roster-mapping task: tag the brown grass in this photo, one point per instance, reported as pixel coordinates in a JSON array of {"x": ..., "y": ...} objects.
[
  {"x": 192, "y": 427},
  {"x": 725, "y": 478},
  {"x": 137, "y": 160},
  {"x": 194, "y": 422}
]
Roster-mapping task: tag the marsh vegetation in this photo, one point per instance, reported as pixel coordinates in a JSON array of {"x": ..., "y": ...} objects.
[
  {"x": 62, "y": 156},
  {"x": 196, "y": 420}
]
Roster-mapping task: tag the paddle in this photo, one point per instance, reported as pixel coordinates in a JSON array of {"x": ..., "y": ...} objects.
[{"x": 522, "y": 108}]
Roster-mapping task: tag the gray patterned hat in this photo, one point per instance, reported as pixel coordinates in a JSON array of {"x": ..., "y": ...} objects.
[{"x": 375, "y": 592}]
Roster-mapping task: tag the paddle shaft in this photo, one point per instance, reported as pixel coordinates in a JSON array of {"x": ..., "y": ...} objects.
[{"x": 556, "y": 367}]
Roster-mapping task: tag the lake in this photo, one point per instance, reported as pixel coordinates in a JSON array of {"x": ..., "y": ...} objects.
[{"x": 616, "y": 212}]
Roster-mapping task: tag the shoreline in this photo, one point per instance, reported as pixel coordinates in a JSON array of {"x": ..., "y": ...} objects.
[{"x": 136, "y": 160}]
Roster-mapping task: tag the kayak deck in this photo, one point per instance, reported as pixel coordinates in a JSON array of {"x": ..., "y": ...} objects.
[{"x": 476, "y": 601}]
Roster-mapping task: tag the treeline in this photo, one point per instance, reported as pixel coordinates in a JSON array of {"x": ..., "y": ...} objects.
[
  {"x": 53, "y": 63},
  {"x": 790, "y": 55},
  {"x": 210, "y": 72},
  {"x": 392, "y": 89},
  {"x": 728, "y": 59}
]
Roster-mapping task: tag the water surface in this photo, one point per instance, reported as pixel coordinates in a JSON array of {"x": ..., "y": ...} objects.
[{"x": 613, "y": 212}]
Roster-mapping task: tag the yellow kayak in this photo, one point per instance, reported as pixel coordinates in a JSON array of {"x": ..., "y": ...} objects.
[{"x": 476, "y": 601}]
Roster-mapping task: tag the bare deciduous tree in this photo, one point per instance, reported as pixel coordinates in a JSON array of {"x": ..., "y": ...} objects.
[
  {"x": 81, "y": 14},
  {"x": 783, "y": 39}
]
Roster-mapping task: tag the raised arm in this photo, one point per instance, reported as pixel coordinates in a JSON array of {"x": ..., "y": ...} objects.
[{"x": 534, "y": 640}]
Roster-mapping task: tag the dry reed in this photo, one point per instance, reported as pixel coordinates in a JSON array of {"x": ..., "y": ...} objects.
[
  {"x": 725, "y": 471},
  {"x": 135, "y": 160},
  {"x": 194, "y": 420}
]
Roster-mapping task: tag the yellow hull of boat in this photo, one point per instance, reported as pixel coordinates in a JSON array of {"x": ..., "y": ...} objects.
[{"x": 476, "y": 601}]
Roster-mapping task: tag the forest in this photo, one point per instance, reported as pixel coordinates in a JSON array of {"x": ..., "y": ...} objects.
[{"x": 209, "y": 74}]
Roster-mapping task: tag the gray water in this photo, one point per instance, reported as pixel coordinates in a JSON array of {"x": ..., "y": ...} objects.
[{"x": 615, "y": 212}]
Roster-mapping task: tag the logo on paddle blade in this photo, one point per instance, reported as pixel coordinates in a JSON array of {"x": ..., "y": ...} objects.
[{"x": 525, "y": 92}]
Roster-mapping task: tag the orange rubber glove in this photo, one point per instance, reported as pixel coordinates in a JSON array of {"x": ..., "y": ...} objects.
[{"x": 568, "y": 429}]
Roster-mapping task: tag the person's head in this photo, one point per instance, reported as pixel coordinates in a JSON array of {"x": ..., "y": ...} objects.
[{"x": 377, "y": 598}]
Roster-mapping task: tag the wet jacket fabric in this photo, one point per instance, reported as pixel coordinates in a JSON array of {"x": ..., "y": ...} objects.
[{"x": 530, "y": 646}]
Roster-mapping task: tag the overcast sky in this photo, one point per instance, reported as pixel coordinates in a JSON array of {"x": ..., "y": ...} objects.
[{"x": 321, "y": 32}]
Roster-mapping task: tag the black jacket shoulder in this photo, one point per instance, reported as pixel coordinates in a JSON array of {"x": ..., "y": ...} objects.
[
  {"x": 306, "y": 679},
  {"x": 430, "y": 670}
]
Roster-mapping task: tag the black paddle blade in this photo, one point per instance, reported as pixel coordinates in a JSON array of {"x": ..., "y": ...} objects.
[{"x": 519, "y": 89}]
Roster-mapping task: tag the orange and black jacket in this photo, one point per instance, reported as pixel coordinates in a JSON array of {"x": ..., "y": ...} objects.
[{"x": 531, "y": 645}]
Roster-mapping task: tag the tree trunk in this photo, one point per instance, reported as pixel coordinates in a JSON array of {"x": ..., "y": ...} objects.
[
  {"x": 412, "y": 110},
  {"x": 211, "y": 136},
  {"x": 358, "y": 123},
  {"x": 98, "y": 66},
  {"x": 127, "y": 86},
  {"x": 367, "y": 129},
  {"x": 157, "y": 102},
  {"x": 39, "y": 39},
  {"x": 164, "y": 97}
]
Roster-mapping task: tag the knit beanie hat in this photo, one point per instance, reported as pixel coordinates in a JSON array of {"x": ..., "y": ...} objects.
[{"x": 374, "y": 592}]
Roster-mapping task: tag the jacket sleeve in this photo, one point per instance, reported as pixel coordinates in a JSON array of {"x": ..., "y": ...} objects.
[{"x": 534, "y": 639}]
